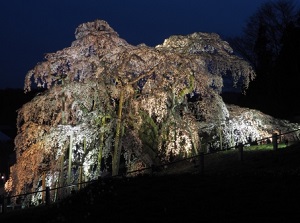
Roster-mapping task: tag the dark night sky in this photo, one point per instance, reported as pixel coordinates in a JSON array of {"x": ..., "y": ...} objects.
[{"x": 32, "y": 28}]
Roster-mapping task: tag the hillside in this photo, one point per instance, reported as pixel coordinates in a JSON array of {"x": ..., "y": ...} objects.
[{"x": 265, "y": 187}]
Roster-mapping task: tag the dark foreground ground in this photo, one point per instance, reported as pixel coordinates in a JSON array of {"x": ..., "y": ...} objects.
[{"x": 265, "y": 187}]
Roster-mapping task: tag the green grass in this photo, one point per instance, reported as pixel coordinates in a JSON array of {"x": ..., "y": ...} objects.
[
  {"x": 257, "y": 159},
  {"x": 265, "y": 146}
]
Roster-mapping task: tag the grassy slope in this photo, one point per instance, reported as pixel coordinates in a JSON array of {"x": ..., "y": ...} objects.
[{"x": 265, "y": 187}]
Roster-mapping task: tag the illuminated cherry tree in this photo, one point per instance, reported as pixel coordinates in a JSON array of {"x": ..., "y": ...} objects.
[{"x": 109, "y": 106}]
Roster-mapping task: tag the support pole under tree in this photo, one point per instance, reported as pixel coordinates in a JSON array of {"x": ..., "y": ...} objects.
[
  {"x": 274, "y": 141},
  {"x": 241, "y": 151},
  {"x": 61, "y": 175},
  {"x": 220, "y": 135},
  {"x": 80, "y": 177},
  {"x": 81, "y": 166},
  {"x": 280, "y": 136},
  {"x": 201, "y": 163},
  {"x": 70, "y": 159},
  {"x": 44, "y": 186},
  {"x": 101, "y": 143},
  {"x": 47, "y": 195}
]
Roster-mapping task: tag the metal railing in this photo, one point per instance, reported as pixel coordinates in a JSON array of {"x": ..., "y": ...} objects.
[{"x": 47, "y": 196}]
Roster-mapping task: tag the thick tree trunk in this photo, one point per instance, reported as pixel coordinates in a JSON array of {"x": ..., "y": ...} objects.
[
  {"x": 117, "y": 148},
  {"x": 81, "y": 166},
  {"x": 70, "y": 159},
  {"x": 101, "y": 137}
]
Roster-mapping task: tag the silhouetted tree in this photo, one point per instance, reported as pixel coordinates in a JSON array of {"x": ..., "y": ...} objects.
[
  {"x": 264, "y": 42},
  {"x": 286, "y": 71}
]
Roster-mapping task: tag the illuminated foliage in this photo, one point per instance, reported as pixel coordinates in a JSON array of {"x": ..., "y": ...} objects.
[{"x": 121, "y": 106}]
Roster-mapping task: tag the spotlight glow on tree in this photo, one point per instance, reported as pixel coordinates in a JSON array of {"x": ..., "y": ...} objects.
[{"x": 109, "y": 105}]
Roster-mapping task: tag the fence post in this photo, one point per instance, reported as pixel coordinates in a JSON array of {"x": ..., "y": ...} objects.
[
  {"x": 201, "y": 164},
  {"x": 241, "y": 150},
  {"x": 47, "y": 195},
  {"x": 274, "y": 140}
]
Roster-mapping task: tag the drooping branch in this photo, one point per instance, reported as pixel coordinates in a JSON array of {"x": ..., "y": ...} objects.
[{"x": 143, "y": 90}]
